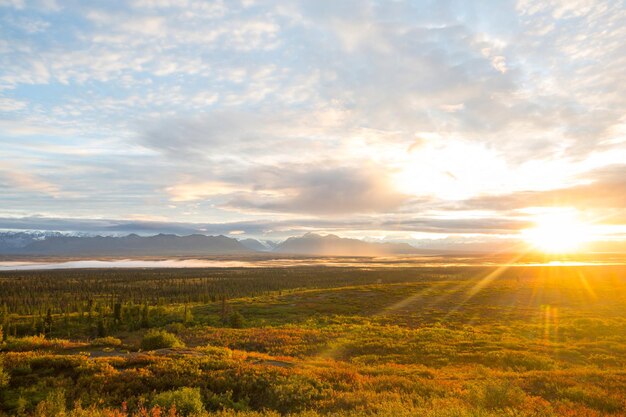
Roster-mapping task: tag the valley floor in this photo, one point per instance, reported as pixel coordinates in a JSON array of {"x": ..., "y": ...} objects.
[{"x": 446, "y": 341}]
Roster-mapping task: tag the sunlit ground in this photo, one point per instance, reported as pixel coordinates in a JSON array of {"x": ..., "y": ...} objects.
[{"x": 483, "y": 340}]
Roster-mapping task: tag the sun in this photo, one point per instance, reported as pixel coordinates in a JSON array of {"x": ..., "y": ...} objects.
[{"x": 559, "y": 232}]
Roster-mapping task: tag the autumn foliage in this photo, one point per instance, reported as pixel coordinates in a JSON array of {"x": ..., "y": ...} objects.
[{"x": 533, "y": 342}]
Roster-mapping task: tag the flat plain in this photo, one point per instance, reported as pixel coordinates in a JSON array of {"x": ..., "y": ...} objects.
[{"x": 315, "y": 340}]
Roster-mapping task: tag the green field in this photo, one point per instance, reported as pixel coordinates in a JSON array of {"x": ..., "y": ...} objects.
[{"x": 347, "y": 341}]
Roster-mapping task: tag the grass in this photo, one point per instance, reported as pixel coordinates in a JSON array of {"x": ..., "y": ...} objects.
[{"x": 532, "y": 342}]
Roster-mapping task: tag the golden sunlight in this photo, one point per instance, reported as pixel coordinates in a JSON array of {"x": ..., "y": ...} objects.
[{"x": 558, "y": 232}]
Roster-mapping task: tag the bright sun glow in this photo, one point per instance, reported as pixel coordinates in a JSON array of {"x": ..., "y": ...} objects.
[{"x": 560, "y": 232}]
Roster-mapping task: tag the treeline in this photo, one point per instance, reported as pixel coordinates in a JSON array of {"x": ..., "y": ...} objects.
[
  {"x": 98, "y": 320},
  {"x": 75, "y": 291},
  {"x": 98, "y": 301}
]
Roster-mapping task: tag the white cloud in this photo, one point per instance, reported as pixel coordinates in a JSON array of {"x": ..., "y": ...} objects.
[
  {"x": 18, "y": 179},
  {"x": 191, "y": 191},
  {"x": 33, "y": 127},
  {"x": 18, "y": 4},
  {"x": 9, "y": 104},
  {"x": 452, "y": 108},
  {"x": 499, "y": 63}
]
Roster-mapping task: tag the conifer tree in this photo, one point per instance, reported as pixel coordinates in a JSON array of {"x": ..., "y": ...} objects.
[{"x": 47, "y": 323}]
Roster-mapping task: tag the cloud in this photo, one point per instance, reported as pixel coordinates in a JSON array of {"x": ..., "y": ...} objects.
[
  {"x": 28, "y": 25},
  {"x": 603, "y": 188},
  {"x": 19, "y": 180},
  {"x": 391, "y": 113},
  {"x": 278, "y": 229},
  {"x": 199, "y": 191},
  {"x": 293, "y": 188},
  {"x": 257, "y": 131},
  {"x": 8, "y": 104},
  {"x": 330, "y": 191},
  {"x": 499, "y": 63},
  {"x": 30, "y": 126},
  {"x": 18, "y": 4}
]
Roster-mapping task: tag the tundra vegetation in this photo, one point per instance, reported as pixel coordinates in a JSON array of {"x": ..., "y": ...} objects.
[{"x": 314, "y": 341}]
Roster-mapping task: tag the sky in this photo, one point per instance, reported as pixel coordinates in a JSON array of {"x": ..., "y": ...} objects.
[{"x": 433, "y": 122}]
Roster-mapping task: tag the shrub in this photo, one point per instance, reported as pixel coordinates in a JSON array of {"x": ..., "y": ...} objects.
[
  {"x": 176, "y": 328},
  {"x": 497, "y": 395},
  {"x": 4, "y": 375},
  {"x": 594, "y": 397},
  {"x": 27, "y": 343},
  {"x": 236, "y": 320},
  {"x": 53, "y": 405},
  {"x": 160, "y": 339},
  {"x": 519, "y": 361},
  {"x": 109, "y": 341},
  {"x": 187, "y": 401},
  {"x": 216, "y": 351}
]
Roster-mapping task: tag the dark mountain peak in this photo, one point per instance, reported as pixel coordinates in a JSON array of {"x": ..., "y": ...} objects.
[
  {"x": 329, "y": 245},
  {"x": 164, "y": 236},
  {"x": 254, "y": 244}
]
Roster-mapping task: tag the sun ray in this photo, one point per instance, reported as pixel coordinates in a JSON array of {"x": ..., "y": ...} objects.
[
  {"x": 483, "y": 282},
  {"x": 585, "y": 284}
]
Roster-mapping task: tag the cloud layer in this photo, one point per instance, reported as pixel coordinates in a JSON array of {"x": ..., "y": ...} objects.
[{"x": 440, "y": 117}]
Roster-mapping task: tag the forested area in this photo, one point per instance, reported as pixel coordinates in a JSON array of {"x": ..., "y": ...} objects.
[{"x": 127, "y": 298}]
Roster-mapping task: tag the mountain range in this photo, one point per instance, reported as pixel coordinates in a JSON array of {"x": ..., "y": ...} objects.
[
  {"x": 329, "y": 245},
  {"x": 47, "y": 243}
]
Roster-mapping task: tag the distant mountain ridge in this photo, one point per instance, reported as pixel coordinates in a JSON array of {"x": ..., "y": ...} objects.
[
  {"x": 16, "y": 240},
  {"x": 130, "y": 245},
  {"x": 51, "y": 243},
  {"x": 255, "y": 245},
  {"x": 332, "y": 245}
]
